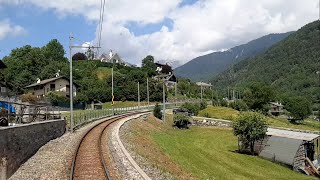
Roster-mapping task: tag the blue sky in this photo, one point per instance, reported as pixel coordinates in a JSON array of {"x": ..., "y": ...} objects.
[{"x": 171, "y": 30}]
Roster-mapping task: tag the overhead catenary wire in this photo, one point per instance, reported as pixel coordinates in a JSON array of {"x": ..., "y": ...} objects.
[{"x": 102, "y": 5}]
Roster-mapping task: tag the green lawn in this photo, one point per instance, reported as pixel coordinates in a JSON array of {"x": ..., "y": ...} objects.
[
  {"x": 231, "y": 114},
  {"x": 208, "y": 153}
]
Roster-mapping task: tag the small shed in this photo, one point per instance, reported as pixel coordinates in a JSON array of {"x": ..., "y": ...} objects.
[
  {"x": 299, "y": 150},
  {"x": 276, "y": 108}
]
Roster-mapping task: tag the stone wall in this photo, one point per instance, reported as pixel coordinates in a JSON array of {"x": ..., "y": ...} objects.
[
  {"x": 19, "y": 143},
  {"x": 202, "y": 121}
]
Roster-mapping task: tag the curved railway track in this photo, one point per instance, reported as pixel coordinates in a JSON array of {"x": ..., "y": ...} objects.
[{"x": 88, "y": 161}]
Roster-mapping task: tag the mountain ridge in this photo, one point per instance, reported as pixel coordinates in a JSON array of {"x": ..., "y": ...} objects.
[{"x": 205, "y": 67}]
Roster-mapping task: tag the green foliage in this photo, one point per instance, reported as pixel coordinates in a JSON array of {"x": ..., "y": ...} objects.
[
  {"x": 289, "y": 66},
  {"x": 53, "y": 51},
  {"x": 203, "y": 105},
  {"x": 157, "y": 111},
  {"x": 205, "y": 67},
  {"x": 181, "y": 121},
  {"x": 224, "y": 103},
  {"x": 79, "y": 56},
  {"x": 257, "y": 96},
  {"x": 149, "y": 66},
  {"x": 239, "y": 105},
  {"x": 56, "y": 98},
  {"x": 192, "y": 108},
  {"x": 299, "y": 108},
  {"x": 250, "y": 127}
]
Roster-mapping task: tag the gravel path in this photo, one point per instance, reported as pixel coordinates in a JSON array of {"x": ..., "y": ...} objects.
[
  {"x": 150, "y": 169},
  {"x": 122, "y": 159},
  {"x": 53, "y": 160}
]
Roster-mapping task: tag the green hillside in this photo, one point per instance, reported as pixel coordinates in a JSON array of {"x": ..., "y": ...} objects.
[
  {"x": 289, "y": 67},
  {"x": 205, "y": 67}
]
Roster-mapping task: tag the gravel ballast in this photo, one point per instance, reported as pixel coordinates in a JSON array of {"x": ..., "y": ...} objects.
[{"x": 53, "y": 160}]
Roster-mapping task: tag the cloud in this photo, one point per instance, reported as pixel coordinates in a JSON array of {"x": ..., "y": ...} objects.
[
  {"x": 197, "y": 28},
  {"x": 8, "y": 29}
]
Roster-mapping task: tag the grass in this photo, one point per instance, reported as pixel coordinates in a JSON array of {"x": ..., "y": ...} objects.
[
  {"x": 103, "y": 72},
  {"x": 231, "y": 114},
  {"x": 209, "y": 153},
  {"x": 219, "y": 113},
  {"x": 200, "y": 153}
]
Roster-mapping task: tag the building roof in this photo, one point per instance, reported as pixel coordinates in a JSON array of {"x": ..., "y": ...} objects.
[
  {"x": 292, "y": 134},
  {"x": 46, "y": 81},
  {"x": 276, "y": 104},
  {"x": 281, "y": 149},
  {"x": 203, "y": 84},
  {"x": 2, "y": 65}
]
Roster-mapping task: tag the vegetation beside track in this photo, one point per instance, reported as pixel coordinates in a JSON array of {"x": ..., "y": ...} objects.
[
  {"x": 231, "y": 114},
  {"x": 201, "y": 152}
]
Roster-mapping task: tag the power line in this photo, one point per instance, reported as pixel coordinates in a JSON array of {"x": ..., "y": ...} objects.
[{"x": 101, "y": 23}]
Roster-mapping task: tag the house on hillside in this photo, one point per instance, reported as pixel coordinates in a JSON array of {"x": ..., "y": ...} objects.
[
  {"x": 57, "y": 84},
  {"x": 299, "y": 150},
  {"x": 204, "y": 85},
  {"x": 114, "y": 58},
  {"x": 165, "y": 74},
  {"x": 276, "y": 108}
]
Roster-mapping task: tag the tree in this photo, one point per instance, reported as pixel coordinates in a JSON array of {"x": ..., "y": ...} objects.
[
  {"x": 257, "y": 95},
  {"x": 79, "y": 56},
  {"x": 157, "y": 111},
  {"x": 53, "y": 51},
  {"x": 149, "y": 66},
  {"x": 249, "y": 127},
  {"x": 299, "y": 108}
]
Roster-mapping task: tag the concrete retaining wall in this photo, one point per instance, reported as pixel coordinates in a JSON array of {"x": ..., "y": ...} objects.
[{"x": 19, "y": 143}]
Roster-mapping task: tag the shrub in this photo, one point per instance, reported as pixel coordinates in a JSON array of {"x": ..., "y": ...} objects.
[
  {"x": 224, "y": 103},
  {"x": 239, "y": 105},
  {"x": 157, "y": 111},
  {"x": 181, "y": 121},
  {"x": 203, "y": 105},
  {"x": 29, "y": 98},
  {"x": 192, "y": 108},
  {"x": 56, "y": 98},
  {"x": 250, "y": 127}
]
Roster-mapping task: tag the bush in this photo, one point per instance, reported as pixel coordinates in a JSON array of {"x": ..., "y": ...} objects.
[
  {"x": 239, "y": 105},
  {"x": 157, "y": 111},
  {"x": 192, "y": 108},
  {"x": 29, "y": 98},
  {"x": 249, "y": 127},
  {"x": 56, "y": 98},
  {"x": 224, "y": 103},
  {"x": 181, "y": 121},
  {"x": 203, "y": 105}
]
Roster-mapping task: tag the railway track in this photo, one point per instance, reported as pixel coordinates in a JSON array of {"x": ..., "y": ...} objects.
[{"x": 88, "y": 162}]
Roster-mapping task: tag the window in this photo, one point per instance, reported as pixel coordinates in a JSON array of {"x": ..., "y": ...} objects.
[{"x": 52, "y": 87}]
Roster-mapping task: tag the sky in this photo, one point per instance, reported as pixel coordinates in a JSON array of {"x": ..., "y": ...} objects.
[{"x": 170, "y": 30}]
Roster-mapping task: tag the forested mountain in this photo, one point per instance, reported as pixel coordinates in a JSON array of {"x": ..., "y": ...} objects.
[
  {"x": 289, "y": 67},
  {"x": 206, "y": 67}
]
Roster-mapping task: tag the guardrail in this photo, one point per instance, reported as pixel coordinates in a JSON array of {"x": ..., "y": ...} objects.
[{"x": 83, "y": 117}]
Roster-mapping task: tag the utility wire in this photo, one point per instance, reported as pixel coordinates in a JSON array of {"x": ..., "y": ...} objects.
[{"x": 101, "y": 23}]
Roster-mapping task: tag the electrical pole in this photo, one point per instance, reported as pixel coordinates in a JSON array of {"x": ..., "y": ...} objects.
[
  {"x": 148, "y": 92},
  {"x": 175, "y": 92},
  {"x": 318, "y": 72},
  {"x": 112, "y": 90},
  {"x": 138, "y": 95},
  {"x": 71, "y": 85},
  {"x": 164, "y": 103},
  {"x": 228, "y": 93},
  {"x": 201, "y": 92}
]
